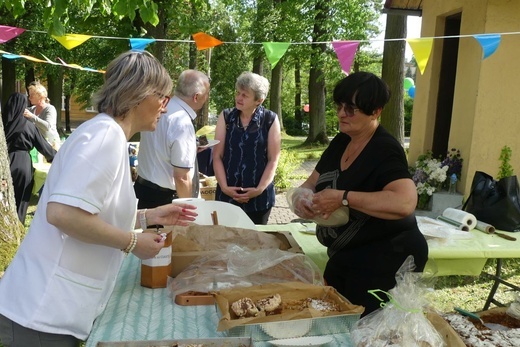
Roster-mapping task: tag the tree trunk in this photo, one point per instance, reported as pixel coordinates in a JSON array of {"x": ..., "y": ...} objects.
[
  {"x": 317, "y": 123},
  {"x": 298, "y": 112},
  {"x": 258, "y": 65},
  {"x": 157, "y": 32},
  {"x": 392, "y": 117},
  {"x": 55, "y": 91},
  {"x": 29, "y": 75},
  {"x": 276, "y": 92}
]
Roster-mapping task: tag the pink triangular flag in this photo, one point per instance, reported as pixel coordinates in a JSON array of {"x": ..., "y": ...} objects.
[
  {"x": 346, "y": 51},
  {"x": 7, "y": 33}
]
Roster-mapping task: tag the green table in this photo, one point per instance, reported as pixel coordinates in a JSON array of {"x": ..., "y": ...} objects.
[{"x": 446, "y": 257}]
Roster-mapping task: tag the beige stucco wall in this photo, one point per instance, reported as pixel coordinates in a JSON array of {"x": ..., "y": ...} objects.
[{"x": 486, "y": 108}]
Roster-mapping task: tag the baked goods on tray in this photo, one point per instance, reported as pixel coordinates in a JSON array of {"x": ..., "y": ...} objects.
[
  {"x": 474, "y": 334},
  {"x": 273, "y": 304}
]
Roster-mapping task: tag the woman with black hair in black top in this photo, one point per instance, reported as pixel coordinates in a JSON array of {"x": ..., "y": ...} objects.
[{"x": 364, "y": 168}]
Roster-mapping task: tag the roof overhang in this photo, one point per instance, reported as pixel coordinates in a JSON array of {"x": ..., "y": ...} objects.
[{"x": 403, "y": 7}]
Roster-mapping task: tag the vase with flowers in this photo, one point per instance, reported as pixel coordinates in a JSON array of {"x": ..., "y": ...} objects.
[
  {"x": 429, "y": 174},
  {"x": 454, "y": 162}
]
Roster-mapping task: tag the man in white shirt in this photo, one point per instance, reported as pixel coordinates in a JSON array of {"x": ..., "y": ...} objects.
[{"x": 167, "y": 156}]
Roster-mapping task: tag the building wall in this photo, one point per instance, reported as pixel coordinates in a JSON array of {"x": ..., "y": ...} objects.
[
  {"x": 486, "y": 100},
  {"x": 77, "y": 114}
]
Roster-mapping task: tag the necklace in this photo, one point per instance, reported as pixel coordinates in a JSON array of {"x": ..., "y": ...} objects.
[
  {"x": 241, "y": 125},
  {"x": 354, "y": 152}
]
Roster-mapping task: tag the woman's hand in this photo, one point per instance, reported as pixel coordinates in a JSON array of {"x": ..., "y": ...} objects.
[
  {"x": 148, "y": 245},
  {"x": 171, "y": 214},
  {"x": 243, "y": 195},
  {"x": 327, "y": 201},
  {"x": 300, "y": 202},
  {"x": 27, "y": 114}
]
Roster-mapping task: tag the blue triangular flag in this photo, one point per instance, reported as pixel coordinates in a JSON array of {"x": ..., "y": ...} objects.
[
  {"x": 489, "y": 43},
  {"x": 140, "y": 43}
]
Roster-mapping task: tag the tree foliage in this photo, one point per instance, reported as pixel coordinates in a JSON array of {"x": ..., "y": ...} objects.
[{"x": 58, "y": 15}]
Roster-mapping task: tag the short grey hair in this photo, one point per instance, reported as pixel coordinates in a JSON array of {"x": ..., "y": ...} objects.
[
  {"x": 191, "y": 82},
  {"x": 259, "y": 85},
  {"x": 129, "y": 79}
]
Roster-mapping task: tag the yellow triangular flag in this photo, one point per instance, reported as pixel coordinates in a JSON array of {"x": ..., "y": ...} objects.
[
  {"x": 71, "y": 41},
  {"x": 421, "y": 49}
]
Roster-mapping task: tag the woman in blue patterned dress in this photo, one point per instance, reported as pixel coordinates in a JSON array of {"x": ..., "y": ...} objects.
[{"x": 245, "y": 160}]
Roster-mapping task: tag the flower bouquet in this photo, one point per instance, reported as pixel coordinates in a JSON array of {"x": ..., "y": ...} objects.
[{"x": 429, "y": 174}]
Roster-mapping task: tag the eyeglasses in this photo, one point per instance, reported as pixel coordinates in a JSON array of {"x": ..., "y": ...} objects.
[
  {"x": 350, "y": 111},
  {"x": 165, "y": 99}
]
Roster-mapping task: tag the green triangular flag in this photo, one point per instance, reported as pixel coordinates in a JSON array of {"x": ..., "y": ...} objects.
[{"x": 275, "y": 51}]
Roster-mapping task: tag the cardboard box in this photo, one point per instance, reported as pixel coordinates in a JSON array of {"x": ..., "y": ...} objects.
[
  {"x": 290, "y": 322},
  {"x": 181, "y": 260},
  {"x": 208, "y": 188},
  {"x": 208, "y": 193},
  {"x": 450, "y": 336}
]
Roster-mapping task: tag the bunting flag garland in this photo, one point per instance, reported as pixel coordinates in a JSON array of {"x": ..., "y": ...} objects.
[
  {"x": 8, "y": 55},
  {"x": 28, "y": 57},
  {"x": 7, "y": 33},
  {"x": 205, "y": 41},
  {"x": 49, "y": 61},
  {"x": 140, "y": 44},
  {"x": 345, "y": 51},
  {"x": 275, "y": 51},
  {"x": 421, "y": 49},
  {"x": 489, "y": 43},
  {"x": 71, "y": 41}
]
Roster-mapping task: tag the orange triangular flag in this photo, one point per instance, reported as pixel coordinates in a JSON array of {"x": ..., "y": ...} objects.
[
  {"x": 205, "y": 41},
  {"x": 421, "y": 49}
]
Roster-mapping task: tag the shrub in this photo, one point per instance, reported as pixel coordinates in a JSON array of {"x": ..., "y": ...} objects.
[
  {"x": 505, "y": 169},
  {"x": 287, "y": 164}
]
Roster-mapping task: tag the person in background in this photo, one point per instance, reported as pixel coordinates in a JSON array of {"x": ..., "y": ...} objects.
[
  {"x": 133, "y": 162},
  {"x": 21, "y": 136},
  {"x": 365, "y": 169},
  {"x": 42, "y": 113},
  {"x": 167, "y": 157},
  {"x": 245, "y": 160},
  {"x": 64, "y": 272}
]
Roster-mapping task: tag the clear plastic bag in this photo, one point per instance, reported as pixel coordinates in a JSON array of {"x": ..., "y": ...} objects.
[
  {"x": 300, "y": 198},
  {"x": 514, "y": 308},
  {"x": 240, "y": 266},
  {"x": 402, "y": 320}
]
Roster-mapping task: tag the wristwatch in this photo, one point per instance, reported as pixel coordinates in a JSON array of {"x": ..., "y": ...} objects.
[{"x": 344, "y": 201}]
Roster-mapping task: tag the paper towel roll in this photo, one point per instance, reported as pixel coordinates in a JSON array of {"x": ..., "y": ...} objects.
[
  {"x": 487, "y": 228},
  {"x": 451, "y": 222},
  {"x": 461, "y": 217}
]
